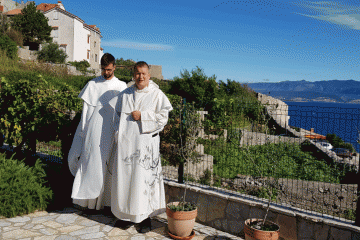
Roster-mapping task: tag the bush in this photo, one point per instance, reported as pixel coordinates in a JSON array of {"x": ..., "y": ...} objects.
[
  {"x": 22, "y": 187},
  {"x": 81, "y": 65},
  {"x": 8, "y": 45},
  {"x": 52, "y": 53},
  {"x": 16, "y": 36},
  {"x": 231, "y": 160}
]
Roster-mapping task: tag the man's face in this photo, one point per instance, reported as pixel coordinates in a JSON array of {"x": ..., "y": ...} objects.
[
  {"x": 108, "y": 71},
  {"x": 142, "y": 77}
]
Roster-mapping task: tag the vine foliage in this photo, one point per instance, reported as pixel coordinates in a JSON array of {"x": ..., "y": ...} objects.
[{"x": 34, "y": 109}]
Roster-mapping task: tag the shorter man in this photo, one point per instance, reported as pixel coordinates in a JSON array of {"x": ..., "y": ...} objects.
[
  {"x": 90, "y": 153},
  {"x": 141, "y": 112}
]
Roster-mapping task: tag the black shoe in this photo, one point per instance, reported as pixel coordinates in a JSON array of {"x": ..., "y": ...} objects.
[
  {"x": 123, "y": 224},
  {"x": 145, "y": 226}
]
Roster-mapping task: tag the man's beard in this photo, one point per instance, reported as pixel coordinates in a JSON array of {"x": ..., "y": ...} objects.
[{"x": 107, "y": 75}]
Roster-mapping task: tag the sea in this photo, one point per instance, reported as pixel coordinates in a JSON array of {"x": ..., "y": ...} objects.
[{"x": 343, "y": 119}]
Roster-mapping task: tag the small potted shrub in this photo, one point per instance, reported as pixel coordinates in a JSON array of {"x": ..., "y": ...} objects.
[
  {"x": 181, "y": 219},
  {"x": 262, "y": 229},
  {"x": 181, "y": 215}
]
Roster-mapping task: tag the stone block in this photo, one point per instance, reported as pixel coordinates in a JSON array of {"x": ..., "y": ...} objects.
[
  {"x": 203, "y": 204},
  {"x": 235, "y": 227},
  {"x": 287, "y": 227},
  {"x": 224, "y": 223},
  {"x": 336, "y": 233},
  {"x": 256, "y": 212},
  {"x": 173, "y": 191},
  {"x": 272, "y": 216},
  {"x": 192, "y": 196},
  {"x": 236, "y": 210},
  {"x": 216, "y": 208},
  {"x": 217, "y": 224},
  {"x": 321, "y": 231},
  {"x": 305, "y": 229},
  {"x": 355, "y": 236}
]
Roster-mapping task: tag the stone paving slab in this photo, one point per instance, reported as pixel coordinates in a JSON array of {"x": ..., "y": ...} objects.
[{"x": 74, "y": 224}]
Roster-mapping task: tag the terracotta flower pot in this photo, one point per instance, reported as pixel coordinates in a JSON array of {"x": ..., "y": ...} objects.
[
  {"x": 180, "y": 223},
  {"x": 256, "y": 234}
]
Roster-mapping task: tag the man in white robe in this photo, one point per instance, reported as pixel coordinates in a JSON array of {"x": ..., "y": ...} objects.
[
  {"x": 91, "y": 150},
  {"x": 141, "y": 112}
]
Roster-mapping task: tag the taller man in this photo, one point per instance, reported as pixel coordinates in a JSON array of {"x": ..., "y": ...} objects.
[
  {"x": 141, "y": 112},
  {"x": 91, "y": 151}
]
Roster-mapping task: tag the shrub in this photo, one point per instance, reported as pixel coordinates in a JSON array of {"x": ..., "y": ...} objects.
[
  {"x": 16, "y": 36},
  {"x": 8, "y": 45},
  {"x": 52, "y": 53},
  {"x": 81, "y": 65},
  {"x": 22, "y": 187}
]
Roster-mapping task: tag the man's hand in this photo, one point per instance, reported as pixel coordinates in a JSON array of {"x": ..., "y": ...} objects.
[{"x": 136, "y": 115}]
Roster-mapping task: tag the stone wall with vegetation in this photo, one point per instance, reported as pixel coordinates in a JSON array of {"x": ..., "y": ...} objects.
[{"x": 227, "y": 211}]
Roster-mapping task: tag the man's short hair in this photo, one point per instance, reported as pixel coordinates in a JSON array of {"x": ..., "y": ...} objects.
[
  {"x": 106, "y": 59},
  {"x": 141, "y": 64}
]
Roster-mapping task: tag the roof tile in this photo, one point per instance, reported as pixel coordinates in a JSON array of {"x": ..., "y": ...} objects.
[{"x": 46, "y": 6}]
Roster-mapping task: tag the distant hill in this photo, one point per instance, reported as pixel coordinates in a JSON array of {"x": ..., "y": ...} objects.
[{"x": 327, "y": 91}]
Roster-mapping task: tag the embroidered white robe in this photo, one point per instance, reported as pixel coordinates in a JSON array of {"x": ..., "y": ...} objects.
[
  {"x": 137, "y": 190},
  {"x": 91, "y": 150}
]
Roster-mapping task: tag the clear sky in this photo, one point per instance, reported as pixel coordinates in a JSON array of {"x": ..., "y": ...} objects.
[{"x": 246, "y": 41}]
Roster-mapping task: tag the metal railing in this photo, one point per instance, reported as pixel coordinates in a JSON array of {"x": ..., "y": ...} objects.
[{"x": 295, "y": 163}]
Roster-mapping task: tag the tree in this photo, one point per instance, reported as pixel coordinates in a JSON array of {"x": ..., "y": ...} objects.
[
  {"x": 196, "y": 87},
  {"x": 52, "y": 53},
  {"x": 33, "y": 25},
  {"x": 8, "y": 45},
  {"x": 4, "y": 23}
]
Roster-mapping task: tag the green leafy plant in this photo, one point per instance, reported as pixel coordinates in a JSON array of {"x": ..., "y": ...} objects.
[
  {"x": 28, "y": 109},
  {"x": 52, "y": 52},
  {"x": 183, "y": 206},
  {"x": 22, "y": 188},
  {"x": 81, "y": 65},
  {"x": 8, "y": 45}
]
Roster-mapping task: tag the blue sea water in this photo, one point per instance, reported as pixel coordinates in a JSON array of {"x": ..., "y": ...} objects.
[{"x": 343, "y": 119}]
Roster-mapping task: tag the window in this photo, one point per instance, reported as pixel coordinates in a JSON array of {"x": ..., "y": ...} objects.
[
  {"x": 55, "y": 32},
  {"x": 96, "y": 58},
  {"x": 88, "y": 54},
  {"x": 88, "y": 38},
  {"x": 56, "y": 15},
  {"x": 94, "y": 44}
]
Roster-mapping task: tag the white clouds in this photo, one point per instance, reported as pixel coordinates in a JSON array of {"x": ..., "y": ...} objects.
[
  {"x": 137, "y": 45},
  {"x": 340, "y": 13}
]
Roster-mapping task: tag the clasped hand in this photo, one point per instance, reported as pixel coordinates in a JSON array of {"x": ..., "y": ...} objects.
[{"x": 136, "y": 115}]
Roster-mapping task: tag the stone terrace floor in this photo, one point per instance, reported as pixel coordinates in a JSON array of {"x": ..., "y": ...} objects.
[{"x": 71, "y": 223}]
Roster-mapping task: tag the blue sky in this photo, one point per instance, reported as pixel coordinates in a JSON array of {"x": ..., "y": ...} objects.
[{"x": 246, "y": 41}]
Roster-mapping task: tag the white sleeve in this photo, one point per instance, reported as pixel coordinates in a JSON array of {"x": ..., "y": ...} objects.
[
  {"x": 76, "y": 147},
  {"x": 154, "y": 121}
]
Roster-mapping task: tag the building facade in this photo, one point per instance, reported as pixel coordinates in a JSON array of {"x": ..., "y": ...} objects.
[{"x": 79, "y": 40}]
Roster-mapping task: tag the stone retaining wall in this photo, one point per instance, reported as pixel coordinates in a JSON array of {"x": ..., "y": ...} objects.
[
  {"x": 228, "y": 210},
  {"x": 26, "y": 54}
]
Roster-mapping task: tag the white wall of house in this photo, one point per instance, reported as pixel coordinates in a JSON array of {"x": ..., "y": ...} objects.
[
  {"x": 80, "y": 41},
  {"x": 81, "y": 45},
  {"x": 95, "y": 42},
  {"x": 65, "y": 32}
]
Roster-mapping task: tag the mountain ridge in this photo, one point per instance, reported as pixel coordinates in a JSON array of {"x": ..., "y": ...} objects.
[{"x": 346, "y": 91}]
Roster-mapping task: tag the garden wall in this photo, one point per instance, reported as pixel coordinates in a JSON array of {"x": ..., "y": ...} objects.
[{"x": 227, "y": 211}]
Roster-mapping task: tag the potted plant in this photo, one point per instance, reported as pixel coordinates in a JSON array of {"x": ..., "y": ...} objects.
[
  {"x": 182, "y": 214},
  {"x": 181, "y": 219},
  {"x": 262, "y": 229}
]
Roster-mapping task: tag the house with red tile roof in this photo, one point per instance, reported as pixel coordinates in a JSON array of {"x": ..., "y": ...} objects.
[{"x": 79, "y": 40}]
